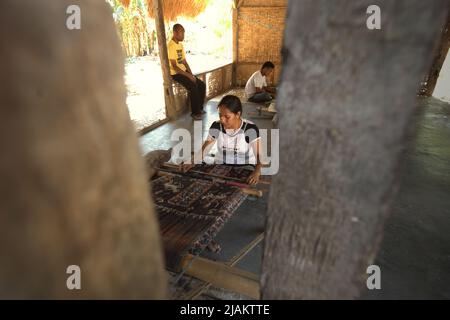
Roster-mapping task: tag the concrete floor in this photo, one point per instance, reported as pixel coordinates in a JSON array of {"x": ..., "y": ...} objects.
[{"x": 415, "y": 254}]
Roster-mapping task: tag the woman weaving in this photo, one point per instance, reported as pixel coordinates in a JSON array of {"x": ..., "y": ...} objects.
[{"x": 238, "y": 140}]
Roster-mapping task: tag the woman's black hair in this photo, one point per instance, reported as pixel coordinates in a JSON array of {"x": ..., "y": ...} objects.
[{"x": 232, "y": 103}]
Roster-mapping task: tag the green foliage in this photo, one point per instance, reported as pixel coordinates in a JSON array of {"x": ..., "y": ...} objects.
[
  {"x": 137, "y": 32},
  {"x": 133, "y": 26}
]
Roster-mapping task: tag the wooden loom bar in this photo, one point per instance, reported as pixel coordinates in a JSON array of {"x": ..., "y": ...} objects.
[
  {"x": 244, "y": 188},
  {"x": 222, "y": 275},
  {"x": 233, "y": 261},
  {"x": 225, "y": 177},
  {"x": 179, "y": 168}
]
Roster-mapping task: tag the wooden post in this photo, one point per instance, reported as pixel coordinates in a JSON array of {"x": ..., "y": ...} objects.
[
  {"x": 235, "y": 42},
  {"x": 163, "y": 56},
  {"x": 346, "y": 98},
  {"x": 438, "y": 62},
  {"x": 222, "y": 276},
  {"x": 52, "y": 217}
]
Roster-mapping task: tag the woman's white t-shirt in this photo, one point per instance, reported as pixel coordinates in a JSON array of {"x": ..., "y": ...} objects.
[{"x": 235, "y": 147}]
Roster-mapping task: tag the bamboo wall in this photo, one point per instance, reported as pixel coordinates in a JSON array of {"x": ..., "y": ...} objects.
[
  {"x": 260, "y": 29},
  {"x": 218, "y": 81}
]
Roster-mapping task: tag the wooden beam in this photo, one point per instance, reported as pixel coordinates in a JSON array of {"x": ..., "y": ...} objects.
[
  {"x": 222, "y": 276},
  {"x": 203, "y": 73},
  {"x": 346, "y": 98},
  {"x": 235, "y": 45},
  {"x": 163, "y": 56},
  {"x": 238, "y": 3},
  {"x": 238, "y": 257},
  {"x": 438, "y": 62},
  {"x": 153, "y": 126}
]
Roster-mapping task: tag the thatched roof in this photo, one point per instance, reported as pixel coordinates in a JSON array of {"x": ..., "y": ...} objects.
[
  {"x": 125, "y": 3},
  {"x": 176, "y": 8}
]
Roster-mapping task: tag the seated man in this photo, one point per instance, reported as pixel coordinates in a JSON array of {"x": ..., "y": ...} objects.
[
  {"x": 256, "y": 89},
  {"x": 181, "y": 72}
]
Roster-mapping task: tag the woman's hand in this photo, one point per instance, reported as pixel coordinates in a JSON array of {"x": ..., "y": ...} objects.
[{"x": 254, "y": 177}]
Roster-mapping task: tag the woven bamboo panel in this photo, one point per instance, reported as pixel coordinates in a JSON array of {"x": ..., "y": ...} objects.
[
  {"x": 182, "y": 101},
  {"x": 260, "y": 39},
  {"x": 217, "y": 81},
  {"x": 264, "y": 3},
  {"x": 213, "y": 83},
  {"x": 260, "y": 34},
  {"x": 228, "y": 82}
]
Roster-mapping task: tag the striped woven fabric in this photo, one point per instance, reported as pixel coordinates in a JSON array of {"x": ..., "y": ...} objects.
[{"x": 191, "y": 212}]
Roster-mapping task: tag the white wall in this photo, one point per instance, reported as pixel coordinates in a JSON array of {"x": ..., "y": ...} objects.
[{"x": 442, "y": 89}]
